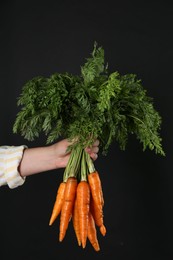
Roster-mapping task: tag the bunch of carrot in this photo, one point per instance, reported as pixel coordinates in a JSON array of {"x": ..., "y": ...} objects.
[{"x": 80, "y": 199}]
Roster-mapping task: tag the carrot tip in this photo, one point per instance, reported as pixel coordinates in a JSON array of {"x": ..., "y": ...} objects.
[
  {"x": 50, "y": 223},
  {"x": 61, "y": 238},
  {"x": 83, "y": 245},
  {"x": 79, "y": 243},
  {"x": 103, "y": 230}
]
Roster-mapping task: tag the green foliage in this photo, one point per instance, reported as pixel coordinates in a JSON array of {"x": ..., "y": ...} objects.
[
  {"x": 94, "y": 65},
  {"x": 93, "y": 105}
]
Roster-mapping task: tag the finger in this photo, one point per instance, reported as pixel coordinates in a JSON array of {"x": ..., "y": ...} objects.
[
  {"x": 94, "y": 149},
  {"x": 94, "y": 156},
  {"x": 96, "y": 143}
]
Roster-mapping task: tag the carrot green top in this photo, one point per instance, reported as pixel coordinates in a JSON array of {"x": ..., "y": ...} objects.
[{"x": 94, "y": 104}]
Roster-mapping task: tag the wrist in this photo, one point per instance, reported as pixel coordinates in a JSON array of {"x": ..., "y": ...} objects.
[{"x": 60, "y": 154}]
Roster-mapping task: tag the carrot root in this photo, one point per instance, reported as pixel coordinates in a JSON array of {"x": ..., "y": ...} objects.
[
  {"x": 92, "y": 233},
  {"x": 103, "y": 230},
  {"x": 58, "y": 203},
  {"x": 83, "y": 201},
  {"x": 75, "y": 219},
  {"x": 67, "y": 207}
]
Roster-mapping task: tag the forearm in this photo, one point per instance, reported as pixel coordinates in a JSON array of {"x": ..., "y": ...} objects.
[
  {"x": 16, "y": 163},
  {"x": 37, "y": 160}
]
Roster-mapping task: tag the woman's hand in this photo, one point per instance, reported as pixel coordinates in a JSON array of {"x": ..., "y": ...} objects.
[
  {"x": 62, "y": 156},
  {"x": 41, "y": 159}
]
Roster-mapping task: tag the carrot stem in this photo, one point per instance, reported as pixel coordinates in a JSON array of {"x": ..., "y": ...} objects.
[
  {"x": 90, "y": 163},
  {"x": 84, "y": 168},
  {"x": 73, "y": 164}
]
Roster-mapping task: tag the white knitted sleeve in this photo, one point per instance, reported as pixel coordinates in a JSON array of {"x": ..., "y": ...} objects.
[{"x": 10, "y": 158}]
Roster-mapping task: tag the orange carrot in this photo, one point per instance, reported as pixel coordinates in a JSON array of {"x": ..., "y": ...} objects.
[
  {"x": 92, "y": 233},
  {"x": 75, "y": 219},
  {"x": 96, "y": 187},
  {"x": 83, "y": 201},
  {"x": 58, "y": 203},
  {"x": 103, "y": 229},
  {"x": 97, "y": 213},
  {"x": 97, "y": 200},
  {"x": 67, "y": 207}
]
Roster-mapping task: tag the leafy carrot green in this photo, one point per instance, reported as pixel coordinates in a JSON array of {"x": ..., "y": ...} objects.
[{"x": 94, "y": 104}]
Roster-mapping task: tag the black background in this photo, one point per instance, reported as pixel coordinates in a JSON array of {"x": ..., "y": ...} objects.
[{"x": 43, "y": 37}]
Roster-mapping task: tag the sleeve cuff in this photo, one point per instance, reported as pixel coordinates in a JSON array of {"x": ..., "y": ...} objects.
[{"x": 13, "y": 157}]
